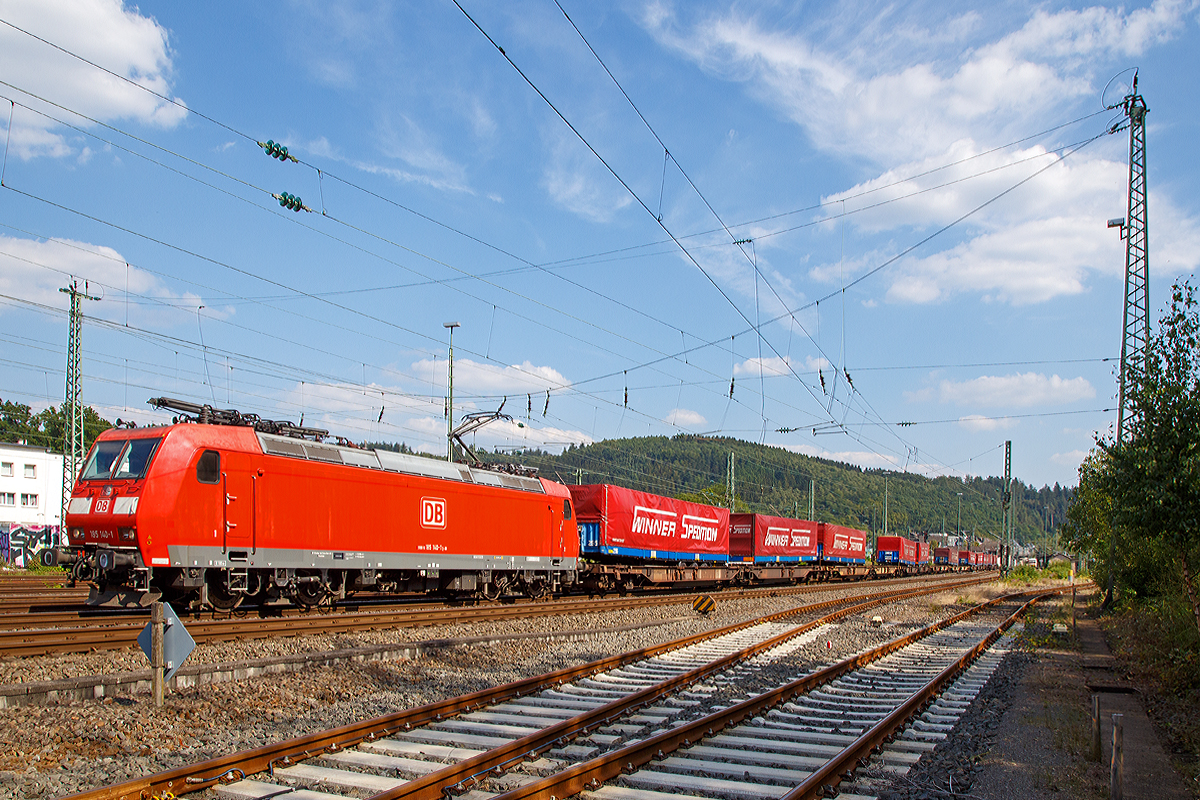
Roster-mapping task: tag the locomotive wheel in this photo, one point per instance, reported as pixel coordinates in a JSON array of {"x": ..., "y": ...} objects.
[
  {"x": 221, "y": 599},
  {"x": 536, "y": 590},
  {"x": 310, "y": 594}
]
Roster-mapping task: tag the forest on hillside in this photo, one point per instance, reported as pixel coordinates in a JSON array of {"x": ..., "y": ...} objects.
[{"x": 777, "y": 481}]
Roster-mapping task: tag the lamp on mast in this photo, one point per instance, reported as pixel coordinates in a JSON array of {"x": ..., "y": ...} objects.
[{"x": 450, "y": 401}]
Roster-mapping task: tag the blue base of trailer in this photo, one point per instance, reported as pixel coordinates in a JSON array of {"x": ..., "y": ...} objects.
[
  {"x": 784, "y": 559},
  {"x": 827, "y": 560},
  {"x": 654, "y": 555}
]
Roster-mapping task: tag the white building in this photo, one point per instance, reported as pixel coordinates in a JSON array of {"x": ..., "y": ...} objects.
[{"x": 30, "y": 500}]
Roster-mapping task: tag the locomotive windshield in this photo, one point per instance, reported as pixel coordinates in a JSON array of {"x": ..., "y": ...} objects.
[{"x": 119, "y": 459}]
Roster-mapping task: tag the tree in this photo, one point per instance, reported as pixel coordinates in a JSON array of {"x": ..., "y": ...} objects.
[
  {"x": 17, "y": 423},
  {"x": 1152, "y": 480},
  {"x": 46, "y": 428}
]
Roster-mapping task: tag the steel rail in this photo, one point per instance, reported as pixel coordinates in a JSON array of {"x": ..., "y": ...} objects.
[
  {"x": 222, "y": 769},
  {"x": 34, "y": 635},
  {"x": 825, "y": 779},
  {"x": 591, "y": 774}
]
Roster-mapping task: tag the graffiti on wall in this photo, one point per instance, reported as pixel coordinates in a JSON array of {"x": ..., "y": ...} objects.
[{"x": 20, "y": 544}]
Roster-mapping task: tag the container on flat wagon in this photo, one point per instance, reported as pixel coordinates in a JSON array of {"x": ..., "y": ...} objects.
[
  {"x": 895, "y": 550},
  {"x": 841, "y": 545},
  {"x": 761, "y": 538},
  {"x": 922, "y": 552},
  {"x": 964, "y": 558},
  {"x": 941, "y": 556},
  {"x": 615, "y": 521}
]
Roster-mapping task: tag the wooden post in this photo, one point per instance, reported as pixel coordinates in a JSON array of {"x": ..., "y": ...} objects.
[
  {"x": 1073, "y": 626},
  {"x": 156, "y": 651},
  {"x": 1116, "y": 773},
  {"x": 1096, "y": 727}
]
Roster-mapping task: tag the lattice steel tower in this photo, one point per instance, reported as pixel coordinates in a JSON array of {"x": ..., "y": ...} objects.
[
  {"x": 72, "y": 407},
  {"x": 1135, "y": 331}
]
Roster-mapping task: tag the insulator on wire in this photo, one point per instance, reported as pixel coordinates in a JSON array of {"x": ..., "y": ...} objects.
[
  {"x": 529, "y": 408},
  {"x": 821, "y": 375},
  {"x": 547, "y": 408},
  {"x": 276, "y": 150},
  {"x": 627, "y": 388},
  {"x": 731, "y": 380},
  {"x": 290, "y": 201}
]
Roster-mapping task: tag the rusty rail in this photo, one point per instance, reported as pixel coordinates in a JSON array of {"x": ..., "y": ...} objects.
[
  {"x": 209, "y": 773},
  {"x": 592, "y": 773},
  {"x": 84, "y": 631}
]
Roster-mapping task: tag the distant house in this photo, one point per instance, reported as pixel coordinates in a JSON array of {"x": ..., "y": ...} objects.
[{"x": 30, "y": 501}]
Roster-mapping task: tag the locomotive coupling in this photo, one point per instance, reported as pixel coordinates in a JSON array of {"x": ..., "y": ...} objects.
[
  {"x": 108, "y": 560},
  {"x": 58, "y": 557}
]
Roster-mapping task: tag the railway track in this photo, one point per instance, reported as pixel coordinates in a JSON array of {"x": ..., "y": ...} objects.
[
  {"x": 87, "y": 630},
  {"x": 577, "y": 728}
]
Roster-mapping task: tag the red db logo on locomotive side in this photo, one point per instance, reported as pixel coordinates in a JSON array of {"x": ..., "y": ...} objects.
[{"x": 433, "y": 512}]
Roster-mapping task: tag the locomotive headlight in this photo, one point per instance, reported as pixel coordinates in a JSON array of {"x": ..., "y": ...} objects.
[
  {"x": 128, "y": 534},
  {"x": 75, "y": 535}
]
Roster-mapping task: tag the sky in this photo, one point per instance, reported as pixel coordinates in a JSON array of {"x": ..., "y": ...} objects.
[{"x": 869, "y": 232}]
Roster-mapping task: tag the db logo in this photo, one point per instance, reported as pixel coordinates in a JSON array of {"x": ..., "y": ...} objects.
[{"x": 433, "y": 512}]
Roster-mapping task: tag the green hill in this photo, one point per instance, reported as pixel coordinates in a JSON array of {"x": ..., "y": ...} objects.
[{"x": 777, "y": 481}]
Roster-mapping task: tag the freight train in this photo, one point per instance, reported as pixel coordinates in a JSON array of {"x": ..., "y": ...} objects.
[{"x": 221, "y": 509}]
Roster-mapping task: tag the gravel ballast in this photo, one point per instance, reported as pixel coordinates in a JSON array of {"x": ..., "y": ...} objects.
[{"x": 60, "y": 749}]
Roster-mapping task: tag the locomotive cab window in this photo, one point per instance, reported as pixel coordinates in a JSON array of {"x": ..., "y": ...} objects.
[
  {"x": 566, "y": 509},
  {"x": 208, "y": 468},
  {"x": 135, "y": 458},
  {"x": 100, "y": 463}
]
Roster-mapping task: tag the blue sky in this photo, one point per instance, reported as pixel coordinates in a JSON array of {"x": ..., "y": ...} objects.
[{"x": 652, "y": 202}]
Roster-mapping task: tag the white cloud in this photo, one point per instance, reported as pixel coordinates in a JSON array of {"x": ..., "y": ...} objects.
[
  {"x": 1072, "y": 458},
  {"x": 574, "y": 180},
  {"x": 1041, "y": 242},
  {"x": 776, "y": 366},
  {"x": 104, "y": 32},
  {"x": 35, "y": 270},
  {"x": 473, "y": 376},
  {"x": 976, "y": 422},
  {"x": 1020, "y": 390},
  {"x": 685, "y": 418},
  {"x": 882, "y": 96},
  {"x": 890, "y": 90}
]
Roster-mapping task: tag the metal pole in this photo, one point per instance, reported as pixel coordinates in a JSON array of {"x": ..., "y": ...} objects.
[
  {"x": 885, "y": 514},
  {"x": 1135, "y": 321},
  {"x": 731, "y": 488},
  {"x": 450, "y": 402},
  {"x": 156, "y": 651},
  {"x": 958, "y": 530},
  {"x": 1116, "y": 770}
]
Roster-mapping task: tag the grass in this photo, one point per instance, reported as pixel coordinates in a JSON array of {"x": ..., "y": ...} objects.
[
  {"x": 1157, "y": 644},
  {"x": 37, "y": 569}
]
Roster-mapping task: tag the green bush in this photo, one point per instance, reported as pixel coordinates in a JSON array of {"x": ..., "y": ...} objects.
[
  {"x": 1060, "y": 570},
  {"x": 1024, "y": 572}
]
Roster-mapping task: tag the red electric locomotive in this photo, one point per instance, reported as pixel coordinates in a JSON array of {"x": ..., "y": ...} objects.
[{"x": 229, "y": 513}]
